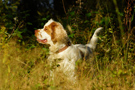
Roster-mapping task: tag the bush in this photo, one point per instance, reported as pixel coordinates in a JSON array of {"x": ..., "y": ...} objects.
[{"x": 23, "y": 62}]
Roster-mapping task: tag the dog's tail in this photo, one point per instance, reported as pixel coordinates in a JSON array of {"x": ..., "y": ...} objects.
[{"x": 93, "y": 42}]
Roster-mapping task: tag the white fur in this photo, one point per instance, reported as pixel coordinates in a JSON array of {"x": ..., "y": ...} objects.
[
  {"x": 93, "y": 42},
  {"x": 49, "y": 22},
  {"x": 70, "y": 55},
  {"x": 43, "y": 35}
]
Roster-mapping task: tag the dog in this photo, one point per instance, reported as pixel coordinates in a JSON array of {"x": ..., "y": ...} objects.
[{"x": 61, "y": 48}]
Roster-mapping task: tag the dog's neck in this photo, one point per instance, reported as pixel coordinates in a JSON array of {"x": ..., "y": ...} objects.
[
  {"x": 57, "y": 48},
  {"x": 62, "y": 49}
]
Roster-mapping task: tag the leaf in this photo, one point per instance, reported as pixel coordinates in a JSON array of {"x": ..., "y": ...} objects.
[
  {"x": 88, "y": 14},
  {"x": 43, "y": 19},
  {"x": 72, "y": 13},
  {"x": 29, "y": 23},
  {"x": 39, "y": 13},
  {"x": 121, "y": 14},
  {"x": 71, "y": 35},
  {"x": 44, "y": 48},
  {"x": 14, "y": 7},
  {"x": 86, "y": 21},
  {"x": 120, "y": 72},
  {"x": 110, "y": 30},
  {"x": 20, "y": 36},
  {"x": 95, "y": 12},
  {"x": 9, "y": 69},
  {"x": 42, "y": 24},
  {"x": 132, "y": 18}
]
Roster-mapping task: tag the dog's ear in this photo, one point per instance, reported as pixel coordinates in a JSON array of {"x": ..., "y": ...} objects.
[
  {"x": 59, "y": 34},
  {"x": 53, "y": 34}
]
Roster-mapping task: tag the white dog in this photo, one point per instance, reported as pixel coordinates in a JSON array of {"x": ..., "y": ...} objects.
[{"x": 62, "y": 50}]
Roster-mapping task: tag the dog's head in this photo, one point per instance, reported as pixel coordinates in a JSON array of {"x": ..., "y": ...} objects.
[{"x": 52, "y": 33}]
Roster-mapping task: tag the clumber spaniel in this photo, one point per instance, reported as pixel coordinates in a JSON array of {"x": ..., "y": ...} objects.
[{"x": 62, "y": 50}]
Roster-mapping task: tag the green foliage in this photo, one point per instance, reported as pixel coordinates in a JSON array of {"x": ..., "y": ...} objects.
[{"x": 23, "y": 63}]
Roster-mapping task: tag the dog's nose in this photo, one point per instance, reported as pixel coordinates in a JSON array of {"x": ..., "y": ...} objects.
[{"x": 36, "y": 32}]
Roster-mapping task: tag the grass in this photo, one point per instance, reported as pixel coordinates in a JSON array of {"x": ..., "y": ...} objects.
[{"x": 23, "y": 68}]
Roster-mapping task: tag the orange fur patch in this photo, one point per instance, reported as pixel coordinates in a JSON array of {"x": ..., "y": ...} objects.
[
  {"x": 57, "y": 33},
  {"x": 36, "y": 32},
  {"x": 50, "y": 30}
]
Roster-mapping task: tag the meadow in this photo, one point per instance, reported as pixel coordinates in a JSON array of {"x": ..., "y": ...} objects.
[
  {"x": 23, "y": 66},
  {"x": 23, "y": 61}
]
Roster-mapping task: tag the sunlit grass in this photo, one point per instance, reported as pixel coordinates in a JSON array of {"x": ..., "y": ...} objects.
[{"x": 27, "y": 69}]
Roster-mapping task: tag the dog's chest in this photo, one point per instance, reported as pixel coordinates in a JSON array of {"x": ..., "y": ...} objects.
[{"x": 61, "y": 61}]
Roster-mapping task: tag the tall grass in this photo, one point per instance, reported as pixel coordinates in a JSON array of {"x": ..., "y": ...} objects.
[
  {"x": 23, "y": 68},
  {"x": 23, "y": 64}
]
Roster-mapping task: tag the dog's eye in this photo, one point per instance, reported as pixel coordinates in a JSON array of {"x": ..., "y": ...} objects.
[{"x": 45, "y": 29}]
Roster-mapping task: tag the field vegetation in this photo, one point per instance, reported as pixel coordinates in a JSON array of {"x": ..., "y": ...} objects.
[{"x": 23, "y": 61}]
